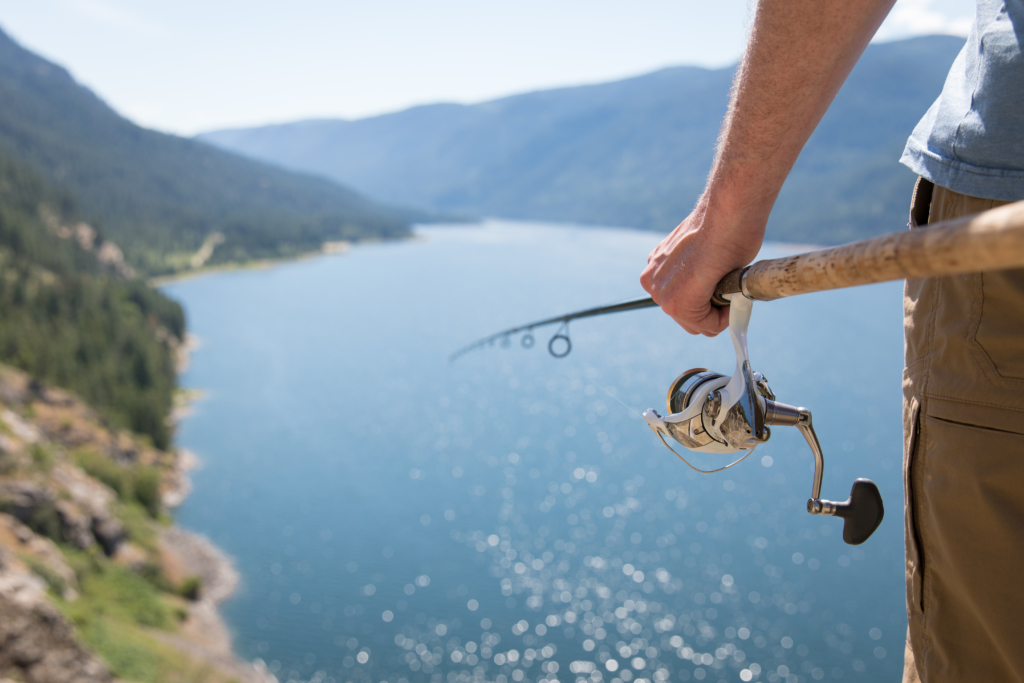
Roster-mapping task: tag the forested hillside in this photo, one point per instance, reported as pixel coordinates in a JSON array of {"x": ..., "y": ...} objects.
[
  {"x": 70, "y": 318},
  {"x": 631, "y": 153},
  {"x": 160, "y": 197}
]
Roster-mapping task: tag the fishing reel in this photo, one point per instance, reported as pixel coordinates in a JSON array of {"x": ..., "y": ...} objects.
[{"x": 711, "y": 413}]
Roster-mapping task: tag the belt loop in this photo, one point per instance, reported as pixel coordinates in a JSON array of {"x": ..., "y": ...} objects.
[{"x": 921, "y": 203}]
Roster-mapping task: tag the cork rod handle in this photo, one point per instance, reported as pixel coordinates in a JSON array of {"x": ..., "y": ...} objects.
[{"x": 991, "y": 240}]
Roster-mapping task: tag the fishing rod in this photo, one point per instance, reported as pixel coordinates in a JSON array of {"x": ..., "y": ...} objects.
[
  {"x": 708, "y": 412},
  {"x": 527, "y": 339}
]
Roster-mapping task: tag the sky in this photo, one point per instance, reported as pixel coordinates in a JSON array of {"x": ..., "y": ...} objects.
[{"x": 189, "y": 66}]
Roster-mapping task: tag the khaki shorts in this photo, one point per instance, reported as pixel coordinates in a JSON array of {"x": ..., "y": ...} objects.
[{"x": 963, "y": 423}]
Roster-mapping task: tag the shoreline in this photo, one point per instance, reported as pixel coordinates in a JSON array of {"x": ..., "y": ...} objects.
[
  {"x": 205, "y": 635},
  {"x": 331, "y": 248},
  {"x": 343, "y": 247}
]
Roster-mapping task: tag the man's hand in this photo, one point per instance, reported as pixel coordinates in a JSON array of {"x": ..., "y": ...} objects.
[
  {"x": 684, "y": 269},
  {"x": 799, "y": 54}
]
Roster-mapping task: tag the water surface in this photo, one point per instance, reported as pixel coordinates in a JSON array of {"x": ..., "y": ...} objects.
[{"x": 509, "y": 517}]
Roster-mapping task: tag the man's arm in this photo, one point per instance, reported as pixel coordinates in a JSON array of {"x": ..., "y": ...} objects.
[{"x": 799, "y": 54}]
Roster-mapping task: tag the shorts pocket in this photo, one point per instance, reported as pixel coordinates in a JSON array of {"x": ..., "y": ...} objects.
[{"x": 968, "y": 515}]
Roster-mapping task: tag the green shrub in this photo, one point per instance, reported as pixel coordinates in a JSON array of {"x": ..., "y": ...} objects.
[
  {"x": 136, "y": 484},
  {"x": 153, "y": 573},
  {"x": 41, "y": 456},
  {"x": 45, "y": 521},
  {"x": 146, "y": 488},
  {"x": 138, "y": 525},
  {"x": 106, "y": 470},
  {"x": 54, "y": 580},
  {"x": 117, "y": 590},
  {"x": 83, "y": 562},
  {"x": 191, "y": 588}
]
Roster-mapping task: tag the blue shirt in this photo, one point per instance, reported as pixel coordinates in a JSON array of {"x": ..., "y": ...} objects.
[{"x": 971, "y": 140}]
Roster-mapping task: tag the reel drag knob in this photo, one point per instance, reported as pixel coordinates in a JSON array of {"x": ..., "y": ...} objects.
[{"x": 862, "y": 512}]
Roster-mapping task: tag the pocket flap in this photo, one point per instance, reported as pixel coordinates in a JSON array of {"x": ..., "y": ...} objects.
[{"x": 975, "y": 415}]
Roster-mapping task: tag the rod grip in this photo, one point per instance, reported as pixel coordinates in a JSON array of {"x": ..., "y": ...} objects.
[
  {"x": 730, "y": 284},
  {"x": 990, "y": 240}
]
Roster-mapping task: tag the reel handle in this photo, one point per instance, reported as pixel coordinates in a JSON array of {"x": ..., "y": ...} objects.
[{"x": 862, "y": 512}]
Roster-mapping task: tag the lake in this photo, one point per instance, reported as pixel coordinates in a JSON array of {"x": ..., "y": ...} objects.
[{"x": 509, "y": 517}]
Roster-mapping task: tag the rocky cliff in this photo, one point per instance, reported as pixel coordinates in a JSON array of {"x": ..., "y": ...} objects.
[
  {"x": 95, "y": 583},
  {"x": 37, "y": 643}
]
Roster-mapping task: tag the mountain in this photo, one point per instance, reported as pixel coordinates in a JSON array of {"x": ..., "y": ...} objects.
[
  {"x": 161, "y": 197},
  {"x": 632, "y": 153},
  {"x": 70, "y": 317}
]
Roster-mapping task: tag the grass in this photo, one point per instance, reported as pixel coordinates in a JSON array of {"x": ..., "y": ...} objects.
[
  {"x": 42, "y": 456},
  {"x": 134, "y": 655},
  {"x": 139, "y": 525},
  {"x": 134, "y": 484},
  {"x": 115, "y": 615},
  {"x": 54, "y": 580},
  {"x": 103, "y": 468},
  {"x": 111, "y": 590},
  {"x": 146, "y": 489}
]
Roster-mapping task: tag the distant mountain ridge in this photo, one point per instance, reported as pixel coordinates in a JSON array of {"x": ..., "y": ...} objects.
[
  {"x": 632, "y": 153},
  {"x": 160, "y": 197}
]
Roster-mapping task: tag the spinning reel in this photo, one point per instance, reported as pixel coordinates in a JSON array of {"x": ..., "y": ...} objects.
[{"x": 711, "y": 413}]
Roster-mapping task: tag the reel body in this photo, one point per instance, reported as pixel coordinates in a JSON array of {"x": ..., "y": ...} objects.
[{"x": 710, "y": 413}]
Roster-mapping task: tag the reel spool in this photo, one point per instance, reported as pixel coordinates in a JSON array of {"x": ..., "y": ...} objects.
[{"x": 711, "y": 413}]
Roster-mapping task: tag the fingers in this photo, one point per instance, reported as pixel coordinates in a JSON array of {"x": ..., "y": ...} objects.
[
  {"x": 711, "y": 324},
  {"x": 681, "y": 277},
  {"x": 697, "y": 317},
  {"x": 717, "y": 321},
  {"x": 688, "y": 301},
  {"x": 647, "y": 281}
]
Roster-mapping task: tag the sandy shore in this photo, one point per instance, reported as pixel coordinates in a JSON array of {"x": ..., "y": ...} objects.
[{"x": 331, "y": 248}]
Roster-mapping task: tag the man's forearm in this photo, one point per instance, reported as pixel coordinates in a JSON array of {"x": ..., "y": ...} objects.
[{"x": 799, "y": 54}]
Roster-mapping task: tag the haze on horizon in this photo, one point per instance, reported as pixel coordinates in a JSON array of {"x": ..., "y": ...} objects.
[{"x": 194, "y": 66}]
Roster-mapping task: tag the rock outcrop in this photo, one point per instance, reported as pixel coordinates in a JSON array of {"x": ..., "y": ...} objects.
[
  {"x": 37, "y": 643},
  {"x": 18, "y": 538},
  {"x": 68, "y": 502},
  {"x": 69, "y": 480},
  {"x": 204, "y": 634}
]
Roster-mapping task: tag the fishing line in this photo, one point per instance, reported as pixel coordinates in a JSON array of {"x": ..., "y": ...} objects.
[
  {"x": 624, "y": 405},
  {"x": 697, "y": 469}
]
